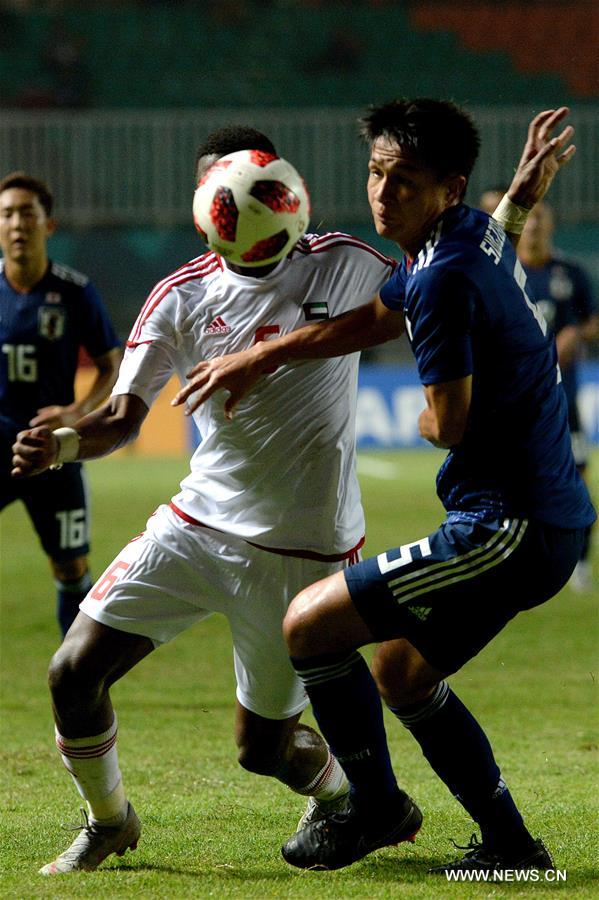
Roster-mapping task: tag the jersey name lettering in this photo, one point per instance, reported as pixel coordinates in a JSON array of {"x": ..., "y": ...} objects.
[{"x": 493, "y": 241}]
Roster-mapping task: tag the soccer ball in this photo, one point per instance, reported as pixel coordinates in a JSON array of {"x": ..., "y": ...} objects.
[{"x": 251, "y": 207}]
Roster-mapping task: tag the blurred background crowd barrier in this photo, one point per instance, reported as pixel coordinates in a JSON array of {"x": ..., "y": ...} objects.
[
  {"x": 108, "y": 101},
  {"x": 135, "y": 167}
]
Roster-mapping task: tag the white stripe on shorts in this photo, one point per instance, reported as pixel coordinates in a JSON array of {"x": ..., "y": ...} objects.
[{"x": 460, "y": 568}]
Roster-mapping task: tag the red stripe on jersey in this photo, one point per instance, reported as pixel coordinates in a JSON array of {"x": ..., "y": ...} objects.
[
  {"x": 301, "y": 554},
  {"x": 196, "y": 268},
  {"x": 186, "y": 273},
  {"x": 199, "y": 261},
  {"x": 339, "y": 238},
  {"x": 188, "y": 267},
  {"x": 132, "y": 344},
  {"x": 310, "y": 554}
]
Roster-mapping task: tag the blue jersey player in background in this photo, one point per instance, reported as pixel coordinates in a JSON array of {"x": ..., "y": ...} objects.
[
  {"x": 47, "y": 313},
  {"x": 516, "y": 506},
  {"x": 562, "y": 290}
]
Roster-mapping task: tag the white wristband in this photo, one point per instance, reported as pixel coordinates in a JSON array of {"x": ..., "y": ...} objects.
[
  {"x": 68, "y": 445},
  {"x": 511, "y": 216}
]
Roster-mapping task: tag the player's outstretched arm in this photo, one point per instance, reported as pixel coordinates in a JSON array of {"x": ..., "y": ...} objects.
[
  {"x": 368, "y": 325},
  {"x": 107, "y": 369},
  {"x": 97, "y": 434}
]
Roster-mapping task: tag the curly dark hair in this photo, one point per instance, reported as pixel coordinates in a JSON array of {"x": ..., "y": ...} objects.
[{"x": 228, "y": 140}]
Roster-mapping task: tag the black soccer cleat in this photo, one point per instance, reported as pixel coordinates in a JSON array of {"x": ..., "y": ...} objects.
[
  {"x": 344, "y": 838},
  {"x": 482, "y": 859}
]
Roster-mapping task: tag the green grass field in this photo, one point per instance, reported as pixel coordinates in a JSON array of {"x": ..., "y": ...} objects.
[{"x": 213, "y": 830}]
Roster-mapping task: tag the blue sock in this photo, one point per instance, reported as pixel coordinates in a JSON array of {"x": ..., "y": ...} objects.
[
  {"x": 347, "y": 707},
  {"x": 460, "y": 753},
  {"x": 69, "y": 595}
]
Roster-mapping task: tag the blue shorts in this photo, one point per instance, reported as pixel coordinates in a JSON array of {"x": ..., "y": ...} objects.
[
  {"x": 58, "y": 506},
  {"x": 450, "y": 593}
]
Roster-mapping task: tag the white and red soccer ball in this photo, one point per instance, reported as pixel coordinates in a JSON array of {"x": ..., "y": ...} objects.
[{"x": 251, "y": 207}]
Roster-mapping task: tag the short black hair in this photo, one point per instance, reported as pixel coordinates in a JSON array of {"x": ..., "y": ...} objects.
[
  {"x": 29, "y": 183},
  {"x": 442, "y": 135},
  {"x": 230, "y": 139}
]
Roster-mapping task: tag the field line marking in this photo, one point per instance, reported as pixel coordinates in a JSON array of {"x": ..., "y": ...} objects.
[{"x": 378, "y": 468}]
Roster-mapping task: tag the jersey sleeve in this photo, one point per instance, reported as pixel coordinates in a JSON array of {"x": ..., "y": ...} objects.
[
  {"x": 98, "y": 335},
  {"x": 150, "y": 351},
  {"x": 392, "y": 292},
  {"x": 442, "y": 326},
  {"x": 144, "y": 371}
]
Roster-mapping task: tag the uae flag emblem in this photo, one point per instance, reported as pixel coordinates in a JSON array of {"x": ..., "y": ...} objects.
[{"x": 318, "y": 310}]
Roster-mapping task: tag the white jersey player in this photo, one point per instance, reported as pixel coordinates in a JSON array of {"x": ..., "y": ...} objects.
[
  {"x": 270, "y": 505},
  {"x": 282, "y": 473}
]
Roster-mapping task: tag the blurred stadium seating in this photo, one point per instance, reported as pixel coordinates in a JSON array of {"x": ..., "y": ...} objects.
[
  {"x": 560, "y": 37},
  {"x": 159, "y": 55}
]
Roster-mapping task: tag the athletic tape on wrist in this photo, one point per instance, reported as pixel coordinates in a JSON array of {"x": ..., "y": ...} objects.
[
  {"x": 68, "y": 446},
  {"x": 511, "y": 216}
]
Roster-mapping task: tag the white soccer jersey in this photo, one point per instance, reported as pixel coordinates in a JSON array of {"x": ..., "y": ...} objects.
[{"x": 282, "y": 473}]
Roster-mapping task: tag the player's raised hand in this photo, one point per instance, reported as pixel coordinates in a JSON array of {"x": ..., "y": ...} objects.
[
  {"x": 542, "y": 158},
  {"x": 34, "y": 451},
  {"x": 236, "y": 373}
]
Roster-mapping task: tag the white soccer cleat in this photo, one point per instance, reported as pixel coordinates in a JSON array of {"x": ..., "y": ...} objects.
[
  {"x": 317, "y": 810},
  {"x": 94, "y": 843}
]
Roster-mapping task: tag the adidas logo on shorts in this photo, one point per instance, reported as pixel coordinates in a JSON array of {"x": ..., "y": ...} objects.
[{"x": 421, "y": 612}]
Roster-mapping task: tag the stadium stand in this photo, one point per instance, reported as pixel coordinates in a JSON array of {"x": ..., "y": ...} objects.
[
  {"x": 539, "y": 38},
  {"x": 160, "y": 56}
]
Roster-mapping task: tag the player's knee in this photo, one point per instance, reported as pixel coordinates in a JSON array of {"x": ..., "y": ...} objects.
[
  {"x": 71, "y": 676},
  {"x": 300, "y": 627}
]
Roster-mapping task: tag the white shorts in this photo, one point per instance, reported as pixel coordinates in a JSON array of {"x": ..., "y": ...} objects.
[{"x": 176, "y": 574}]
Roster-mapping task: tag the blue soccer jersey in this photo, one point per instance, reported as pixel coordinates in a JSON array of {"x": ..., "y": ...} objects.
[
  {"x": 40, "y": 335},
  {"x": 562, "y": 290},
  {"x": 468, "y": 313}
]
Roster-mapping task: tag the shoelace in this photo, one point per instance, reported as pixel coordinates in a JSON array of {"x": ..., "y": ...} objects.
[
  {"x": 473, "y": 844},
  {"x": 80, "y": 826},
  {"x": 85, "y": 829}
]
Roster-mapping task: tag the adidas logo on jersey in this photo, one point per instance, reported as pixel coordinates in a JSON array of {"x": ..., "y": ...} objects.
[{"x": 218, "y": 326}]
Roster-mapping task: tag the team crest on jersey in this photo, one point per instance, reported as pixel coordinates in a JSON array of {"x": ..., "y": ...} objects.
[
  {"x": 53, "y": 297},
  {"x": 318, "y": 310},
  {"x": 218, "y": 326},
  {"x": 51, "y": 322}
]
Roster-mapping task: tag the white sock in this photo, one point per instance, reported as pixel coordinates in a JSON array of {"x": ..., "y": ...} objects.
[
  {"x": 329, "y": 783},
  {"x": 94, "y": 766}
]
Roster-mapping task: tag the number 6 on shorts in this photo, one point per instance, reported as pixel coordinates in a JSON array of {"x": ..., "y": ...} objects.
[{"x": 109, "y": 577}]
